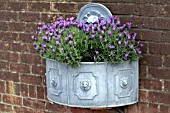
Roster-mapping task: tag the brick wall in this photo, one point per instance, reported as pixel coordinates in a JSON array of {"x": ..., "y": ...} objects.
[{"x": 22, "y": 79}]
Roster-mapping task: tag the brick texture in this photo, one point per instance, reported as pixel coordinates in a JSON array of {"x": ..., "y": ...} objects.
[{"x": 22, "y": 70}]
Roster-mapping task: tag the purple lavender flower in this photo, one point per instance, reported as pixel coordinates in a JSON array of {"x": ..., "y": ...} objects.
[
  {"x": 75, "y": 44},
  {"x": 97, "y": 53},
  {"x": 131, "y": 47},
  {"x": 122, "y": 28},
  {"x": 66, "y": 57},
  {"x": 128, "y": 36},
  {"x": 93, "y": 32},
  {"x": 71, "y": 53},
  {"x": 60, "y": 18},
  {"x": 134, "y": 36},
  {"x": 39, "y": 23},
  {"x": 37, "y": 48},
  {"x": 99, "y": 19},
  {"x": 58, "y": 37},
  {"x": 100, "y": 38},
  {"x": 90, "y": 25},
  {"x": 57, "y": 43},
  {"x": 109, "y": 32},
  {"x": 138, "y": 52},
  {"x": 95, "y": 26},
  {"x": 44, "y": 27},
  {"x": 118, "y": 23},
  {"x": 43, "y": 45},
  {"x": 125, "y": 32},
  {"x": 113, "y": 55},
  {"x": 102, "y": 32},
  {"x": 87, "y": 31},
  {"x": 108, "y": 22},
  {"x": 119, "y": 42},
  {"x": 93, "y": 36},
  {"x": 98, "y": 29},
  {"x": 141, "y": 45},
  {"x": 111, "y": 47},
  {"x": 125, "y": 42},
  {"x": 85, "y": 41},
  {"x": 33, "y": 38},
  {"x": 53, "y": 50},
  {"x": 62, "y": 49},
  {"x": 120, "y": 34},
  {"x": 105, "y": 40},
  {"x": 45, "y": 38},
  {"x": 129, "y": 24},
  {"x": 72, "y": 18},
  {"x": 104, "y": 27},
  {"x": 114, "y": 27},
  {"x": 70, "y": 43},
  {"x": 126, "y": 55}
]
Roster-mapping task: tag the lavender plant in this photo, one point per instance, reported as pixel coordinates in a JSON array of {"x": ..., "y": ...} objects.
[{"x": 68, "y": 41}]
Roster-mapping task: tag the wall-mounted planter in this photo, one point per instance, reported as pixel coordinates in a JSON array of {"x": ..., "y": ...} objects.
[{"x": 92, "y": 85}]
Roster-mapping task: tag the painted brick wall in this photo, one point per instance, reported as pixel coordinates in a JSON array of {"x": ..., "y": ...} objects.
[{"x": 22, "y": 71}]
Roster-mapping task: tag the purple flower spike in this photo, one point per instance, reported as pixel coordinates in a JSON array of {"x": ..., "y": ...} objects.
[
  {"x": 87, "y": 31},
  {"x": 33, "y": 38},
  {"x": 109, "y": 32},
  {"x": 100, "y": 38},
  {"x": 44, "y": 27},
  {"x": 125, "y": 42},
  {"x": 134, "y": 36},
  {"x": 57, "y": 43},
  {"x": 113, "y": 55},
  {"x": 58, "y": 37},
  {"x": 98, "y": 29},
  {"x": 141, "y": 45},
  {"x": 108, "y": 22},
  {"x": 119, "y": 42},
  {"x": 129, "y": 24},
  {"x": 102, "y": 32},
  {"x": 111, "y": 47},
  {"x": 85, "y": 41},
  {"x": 128, "y": 36},
  {"x": 120, "y": 34},
  {"x": 90, "y": 25},
  {"x": 61, "y": 18},
  {"x": 44, "y": 45},
  {"x": 66, "y": 57},
  {"x": 75, "y": 44},
  {"x": 93, "y": 32},
  {"x": 97, "y": 52},
  {"x": 72, "y": 18},
  {"x": 71, "y": 53},
  {"x": 118, "y": 23},
  {"x": 131, "y": 47},
  {"x": 92, "y": 36},
  {"x": 39, "y": 23},
  {"x": 104, "y": 27},
  {"x": 114, "y": 27},
  {"x": 70, "y": 43},
  {"x": 44, "y": 38},
  {"x": 139, "y": 52},
  {"x": 53, "y": 50},
  {"x": 126, "y": 55}
]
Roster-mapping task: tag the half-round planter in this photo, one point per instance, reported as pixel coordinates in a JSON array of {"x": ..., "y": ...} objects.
[{"x": 92, "y": 85}]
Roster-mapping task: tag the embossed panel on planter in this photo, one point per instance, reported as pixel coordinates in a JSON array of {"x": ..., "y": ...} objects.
[
  {"x": 86, "y": 85},
  {"x": 56, "y": 77}
]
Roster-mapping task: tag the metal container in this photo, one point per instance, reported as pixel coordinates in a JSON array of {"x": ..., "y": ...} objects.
[{"x": 92, "y": 85}]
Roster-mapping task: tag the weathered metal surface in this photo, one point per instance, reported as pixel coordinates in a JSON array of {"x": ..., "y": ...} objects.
[
  {"x": 91, "y": 12},
  {"x": 92, "y": 85}
]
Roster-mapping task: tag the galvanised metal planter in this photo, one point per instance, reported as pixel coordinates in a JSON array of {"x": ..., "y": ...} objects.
[{"x": 92, "y": 85}]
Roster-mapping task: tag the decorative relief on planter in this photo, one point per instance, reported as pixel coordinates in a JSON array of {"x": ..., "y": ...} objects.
[
  {"x": 90, "y": 13},
  {"x": 55, "y": 79},
  {"x": 85, "y": 85},
  {"x": 124, "y": 82}
]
